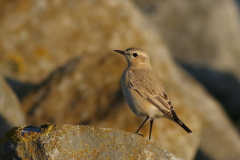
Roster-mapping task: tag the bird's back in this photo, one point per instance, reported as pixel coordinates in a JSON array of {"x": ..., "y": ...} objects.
[{"x": 146, "y": 81}]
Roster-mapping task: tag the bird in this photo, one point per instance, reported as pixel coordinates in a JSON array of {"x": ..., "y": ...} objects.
[{"x": 143, "y": 90}]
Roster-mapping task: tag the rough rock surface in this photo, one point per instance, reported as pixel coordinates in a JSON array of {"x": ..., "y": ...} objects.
[
  {"x": 47, "y": 34},
  {"x": 77, "y": 142},
  {"x": 200, "y": 32},
  {"x": 11, "y": 113},
  {"x": 39, "y": 36}
]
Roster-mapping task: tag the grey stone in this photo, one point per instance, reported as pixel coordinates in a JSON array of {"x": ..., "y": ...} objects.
[{"x": 78, "y": 142}]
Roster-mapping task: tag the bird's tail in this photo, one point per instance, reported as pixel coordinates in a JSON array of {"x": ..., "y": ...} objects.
[
  {"x": 178, "y": 121},
  {"x": 184, "y": 126}
]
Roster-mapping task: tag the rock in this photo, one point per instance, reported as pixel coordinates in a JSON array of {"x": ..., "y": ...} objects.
[
  {"x": 45, "y": 34},
  {"x": 83, "y": 90},
  {"x": 87, "y": 89},
  {"x": 11, "y": 113},
  {"x": 195, "y": 34},
  {"x": 77, "y": 142}
]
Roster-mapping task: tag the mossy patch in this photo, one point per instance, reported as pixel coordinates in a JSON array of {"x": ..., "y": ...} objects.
[
  {"x": 18, "y": 134},
  {"x": 46, "y": 128}
]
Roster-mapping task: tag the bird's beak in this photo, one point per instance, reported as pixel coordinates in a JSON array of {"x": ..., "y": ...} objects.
[{"x": 120, "y": 51}]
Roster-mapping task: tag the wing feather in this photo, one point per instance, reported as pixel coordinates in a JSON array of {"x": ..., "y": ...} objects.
[{"x": 151, "y": 89}]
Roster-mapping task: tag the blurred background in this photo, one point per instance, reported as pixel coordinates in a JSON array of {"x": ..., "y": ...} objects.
[{"x": 57, "y": 65}]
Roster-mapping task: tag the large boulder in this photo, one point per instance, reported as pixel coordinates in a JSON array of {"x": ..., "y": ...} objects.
[
  {"x": 77, "y": 142},
  {"x": 39, "y": 36}
]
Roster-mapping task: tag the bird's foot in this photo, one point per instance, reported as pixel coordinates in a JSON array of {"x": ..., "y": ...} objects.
[{"x": 140, "y": 135}]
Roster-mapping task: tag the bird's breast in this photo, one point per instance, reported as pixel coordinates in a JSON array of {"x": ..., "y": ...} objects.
[{"x": 136, "y": 102}]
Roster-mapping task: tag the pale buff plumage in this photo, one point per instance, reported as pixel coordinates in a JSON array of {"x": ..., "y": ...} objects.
[{"x": 143, "y": 91}]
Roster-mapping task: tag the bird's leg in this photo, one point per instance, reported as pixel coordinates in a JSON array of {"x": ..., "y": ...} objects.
[
  {"x": 151, "y": 123},
  {"x": 141, "y": 126}
]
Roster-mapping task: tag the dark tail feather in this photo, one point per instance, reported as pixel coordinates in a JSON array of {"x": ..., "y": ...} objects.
[
  {"x": 184, "y": 126},
  {"x": 178, "y": 121}
]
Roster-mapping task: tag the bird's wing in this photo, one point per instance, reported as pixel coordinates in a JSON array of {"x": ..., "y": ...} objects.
[{"x": 147, "y": 84}]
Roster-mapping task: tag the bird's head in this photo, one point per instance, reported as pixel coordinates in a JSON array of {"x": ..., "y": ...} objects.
[{"x": 135, "y": 57}]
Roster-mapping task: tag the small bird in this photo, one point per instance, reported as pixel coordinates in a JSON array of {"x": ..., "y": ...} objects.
[{"x": 143, "y": 91}]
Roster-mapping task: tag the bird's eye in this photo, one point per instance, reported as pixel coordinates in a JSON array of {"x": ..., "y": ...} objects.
[{"x": 135, "y": 54}]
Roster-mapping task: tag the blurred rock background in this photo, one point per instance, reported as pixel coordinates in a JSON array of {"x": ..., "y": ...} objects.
[{"x": 58, "y": 58}]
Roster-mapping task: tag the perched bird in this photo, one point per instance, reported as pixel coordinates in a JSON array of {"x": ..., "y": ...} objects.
[{"x": 143, "y": 91}]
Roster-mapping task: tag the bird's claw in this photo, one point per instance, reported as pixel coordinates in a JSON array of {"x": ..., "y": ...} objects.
[{"x": 140, "y": 135}]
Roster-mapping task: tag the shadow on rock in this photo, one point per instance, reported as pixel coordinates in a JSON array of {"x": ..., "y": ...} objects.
[{"x": 223, "y": 86}]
